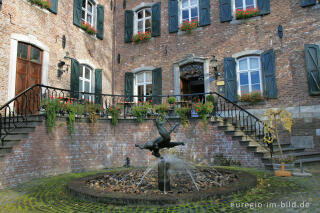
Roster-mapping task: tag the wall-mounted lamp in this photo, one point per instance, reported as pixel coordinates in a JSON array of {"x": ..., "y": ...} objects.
[
  {"x": 63, "y": 64},
  {"x": 214, "y": 64}
]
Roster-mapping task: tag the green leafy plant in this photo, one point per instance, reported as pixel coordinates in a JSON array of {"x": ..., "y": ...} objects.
[
  {"x": 71, "y": 109},
  {"x": 248, "y": 13},
  {"x": 183, "y": 113},
  {"x": 79, "y": 108},
  {"x": 114, "y": 112},
  {"x": 140, "y": 111},
  {"x": 203, "y": 110},
  {"x": 88, "y": 28},
  {"x": 52, "y": 107},
  {"x": 188, "y": 26},
  {"x": 141, "y": 36},
  {"x": 161, "y": 109},
  {"x": 252, "y": 98},
  {"x": 42, "y": 3},
  {"x": 93, "y": 110},
  {"x": 172, "y": 100}
]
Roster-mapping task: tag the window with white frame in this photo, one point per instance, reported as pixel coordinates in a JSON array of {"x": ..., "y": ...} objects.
[
  {"x": 143, "y": 20},
  {"x": 244, "y": 4},
  {"x": 189, "y": 10},
  {"x": 249, "y": 75},
  {"x": 144, "y": 85},
  {"x": 85, "y": 81},
  {"x": 89, "y": 11}
]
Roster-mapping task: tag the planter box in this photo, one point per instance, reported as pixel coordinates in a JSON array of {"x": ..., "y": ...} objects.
[{"x": 287, "y": 166}]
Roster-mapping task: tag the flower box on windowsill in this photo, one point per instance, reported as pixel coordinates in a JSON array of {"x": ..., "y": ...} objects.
[
  {"x": 248, "y": 13},
  {"x": 88, "y": 28},
  {"x": 141, "y": 37},
  {"x": 46, "y": 4},
  {"x": 188, "y": 26}
]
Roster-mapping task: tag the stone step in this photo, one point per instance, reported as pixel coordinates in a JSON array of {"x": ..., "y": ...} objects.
[
  {"x": 288, "y": 150},
  {"x": 5, "y": 149},
  {"x": 21, "y": 130},
  {"x": 15, "y": 136},
  {"x": 10, "y": 143},
  {"x": 306, "y": 155}
]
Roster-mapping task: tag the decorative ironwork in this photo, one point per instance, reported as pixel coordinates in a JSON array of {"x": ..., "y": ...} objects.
[{"x": 193, "y": 70}]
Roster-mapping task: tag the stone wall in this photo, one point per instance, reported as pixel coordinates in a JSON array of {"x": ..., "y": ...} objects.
[
  {"x": 102, "y": 145},
  {"x": 301, "y": 26},
  {"x": 20, "y": 17}
]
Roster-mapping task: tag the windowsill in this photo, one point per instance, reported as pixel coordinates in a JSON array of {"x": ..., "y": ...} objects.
[
  {"x": 92, "y": 36},
  {"x": 243, "y": 21},
  {"x": 38, "y": 7},
  {"x": 316, "y": 7},
  {"x": 143, "y": 41},
  {"x": 185, "y": 32}
]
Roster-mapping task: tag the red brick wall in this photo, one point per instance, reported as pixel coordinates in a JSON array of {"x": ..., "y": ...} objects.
[
  {"x": 102, "y": 145},
  {"x": 225, "y": 39}
]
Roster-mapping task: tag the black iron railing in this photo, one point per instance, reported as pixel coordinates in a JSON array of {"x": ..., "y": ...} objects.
[{"x": 19, "y": 109}]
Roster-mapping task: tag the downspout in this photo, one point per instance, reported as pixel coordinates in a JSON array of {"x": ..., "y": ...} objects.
[{"x": 114, "y": 44}]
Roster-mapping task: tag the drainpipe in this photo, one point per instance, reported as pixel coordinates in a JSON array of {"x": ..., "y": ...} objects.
[{"x": 114, "y": 43}]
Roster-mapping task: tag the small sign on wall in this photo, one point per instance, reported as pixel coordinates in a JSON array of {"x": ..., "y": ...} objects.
[{"x": 220, "y": 83}]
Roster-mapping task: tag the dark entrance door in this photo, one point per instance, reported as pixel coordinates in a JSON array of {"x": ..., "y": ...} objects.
[
  {"x": 192, "y": 78},
  {"x": 28, "y": 73}
]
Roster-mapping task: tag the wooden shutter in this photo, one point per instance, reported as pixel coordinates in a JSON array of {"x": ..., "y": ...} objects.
[
  {"x": 312, "y": 53},
  {"x": 225, "y": 11},
  {"x": 204, "y": 10},
  {"x": 100, "y": 21},
  {"x": 156, "y": 19},
  {"x": 128, "y": 86},
  {"x": 269, "y": 74},
  {"x": 77, "y": 11},
  {"x": 54, "y": 6},
  {"x": 230, "y": 77},
  {"x": 173, "y": 16},
  {"x": 264, "y": 7},
  {"x": 74, "y": 82},
  {"x": 306, "y": 3},
  {"x": 128, "y": 26},
  {"x": 98, "y": 85},
  {"x": 156, "y": 85}
]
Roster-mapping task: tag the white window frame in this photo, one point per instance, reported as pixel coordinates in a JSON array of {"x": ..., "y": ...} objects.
[
  {"x": 93, "y": 13},
  {"x": 144, "y": 83},
  {"x": 189, "y": 9},
  {"x": 84, "y": 79},
  {"x": 249, "y": 75},
  {"x": 244, "y": 5},
  {"x": 143, "y": 19}
]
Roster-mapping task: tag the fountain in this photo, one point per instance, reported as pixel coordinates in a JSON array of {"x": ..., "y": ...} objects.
[{"x": 174, "y": 181}]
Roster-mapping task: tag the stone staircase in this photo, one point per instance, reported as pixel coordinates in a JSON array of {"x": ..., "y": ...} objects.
[{"x": 20, "y": 131}]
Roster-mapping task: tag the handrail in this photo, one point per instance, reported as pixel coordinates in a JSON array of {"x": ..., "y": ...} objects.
[{"x": 27, "y": 102}]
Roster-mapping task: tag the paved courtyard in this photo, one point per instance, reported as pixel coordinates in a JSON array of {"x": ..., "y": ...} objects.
[{"x": 48, "y": 195}]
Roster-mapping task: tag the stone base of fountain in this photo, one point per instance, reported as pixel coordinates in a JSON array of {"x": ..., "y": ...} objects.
[{"x": 120, "y": 188}]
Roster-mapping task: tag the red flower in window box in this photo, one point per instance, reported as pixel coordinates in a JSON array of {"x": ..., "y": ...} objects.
[
  {"x": 188, "y": 26},
  {"x": 141, "y": 36},
  {"x": 88, "y": 28},
  {"x": 248, "y": 13}
]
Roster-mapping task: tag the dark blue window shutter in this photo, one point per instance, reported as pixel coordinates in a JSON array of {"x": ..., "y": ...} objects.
[
  {"x": 100, "y": 21},
  {"x": 306, "y": 3},
  {"x": 312, "y": 53},
  {"x": 264, "y": 7},
  {"x": 54, "y": 6},
  {"x": 98, "y": 85},
  {"x": 128, "y": 86},
  {"x": 77, "y": 12},
  {"x": 225, "y": 10},
  {"x": 230, "y": 78},
  {"x": 128, "y": 26},
  {"x": 269, "y": 74},
  {"x": 157, "y": 85},
  {"x": 173, "y": 16},
  {"x": 204, "y": 10},
  {"x": 74, "y": 81},
  {"x": 156, "y": 19}
]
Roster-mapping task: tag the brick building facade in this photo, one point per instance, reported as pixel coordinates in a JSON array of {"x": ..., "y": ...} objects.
[{"x": 28, "y": 27}]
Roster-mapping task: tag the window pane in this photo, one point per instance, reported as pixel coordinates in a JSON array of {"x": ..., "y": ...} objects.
[
  {"x": 89, "y": 18},
  {"x": 255, "y": 78},
  {"x": 140, "y": 78},
  {"x": 244, "y": 79},
  {"x": 149, "y": 89},
  {"x": 239, "y": 4},
  {"x": 140, "y": 14},
  {"x": 148, "y": 23},
  {"x": 87, "y": 74},
  {"x": 83, "y": 15},
  {"x": 86, "y": 86},
  {"x": 148, "y": 12},
  {"x": 148, "y": 76},
  {"x": 81, "y": 70},
  {"x": 254, "y": 63},
  {"x": 89, "y": 7},
  {"x": 185, "y": 3},
  {"x": 84, "y": 3},
  {"x": 249, "y": 3},
  {"x": 185, "y": 14},
  {"x": 140, "y": 92},
  {"x": 194, "y": 12},
  {"x": 140, "y": 26},
  {"x": 256, "y": 87},
  {"x": 35, "y": 54},
  {"x": 80, "y": 86},
  {"x": 22, "y": 51},
  {"x": 244, "y": 89},
  {"x": 194, "y": 2},
  {"x": 243, "y": 64}
]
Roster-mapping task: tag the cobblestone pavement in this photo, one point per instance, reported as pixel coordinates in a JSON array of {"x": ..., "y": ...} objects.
[{"x": 48, "y": 195}]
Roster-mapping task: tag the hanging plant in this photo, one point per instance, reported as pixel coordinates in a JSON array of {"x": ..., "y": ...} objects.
[
  {"x": 183, "y": 113},
  {"x": 52, "y": 107},
  {"x": 140, "y": 111},
  {"x": 114, "y": 112},
  {"x": 203, "y": 110},
  {"x": 71, "y": 109}
]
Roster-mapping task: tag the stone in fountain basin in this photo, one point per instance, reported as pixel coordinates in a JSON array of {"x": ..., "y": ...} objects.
[{"x": 82, "y": 190}]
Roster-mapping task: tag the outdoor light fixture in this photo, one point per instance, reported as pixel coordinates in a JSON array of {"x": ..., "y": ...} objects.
[
  {"x": 280, "y": 31},
  {"x": 61, "y": 65},
  {"x": 214, "y": 63}
]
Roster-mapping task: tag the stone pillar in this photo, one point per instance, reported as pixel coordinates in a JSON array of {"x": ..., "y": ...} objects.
[{"x": 163, "y": 176}]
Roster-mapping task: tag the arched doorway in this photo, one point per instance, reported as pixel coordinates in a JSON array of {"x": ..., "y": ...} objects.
[{"x": 192, "y": 78}]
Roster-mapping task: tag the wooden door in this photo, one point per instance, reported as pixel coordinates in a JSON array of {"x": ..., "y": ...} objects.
[{"x": 28, "y": 73}]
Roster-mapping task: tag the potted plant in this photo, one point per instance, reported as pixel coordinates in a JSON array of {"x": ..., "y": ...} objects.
[
  {"x": 141, "y": 36},
  {"x": 114, "y": 112},
  {"x": 275, "y": 119},
  {"x": 283, "y": 165},
  {"x": 188, "y": 26},
  {"x": 203, "y": 110},
  {"x": 172, "y": 101},
  {"x": 248, "y": 13},
  {"x": 183, "y": 113},
  {"x": 51, "y": 107},
  {"x": 140, "y": 111}
]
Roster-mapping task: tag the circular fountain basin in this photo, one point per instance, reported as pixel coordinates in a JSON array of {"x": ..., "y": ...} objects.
[{"x": 120, "y": 188}]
